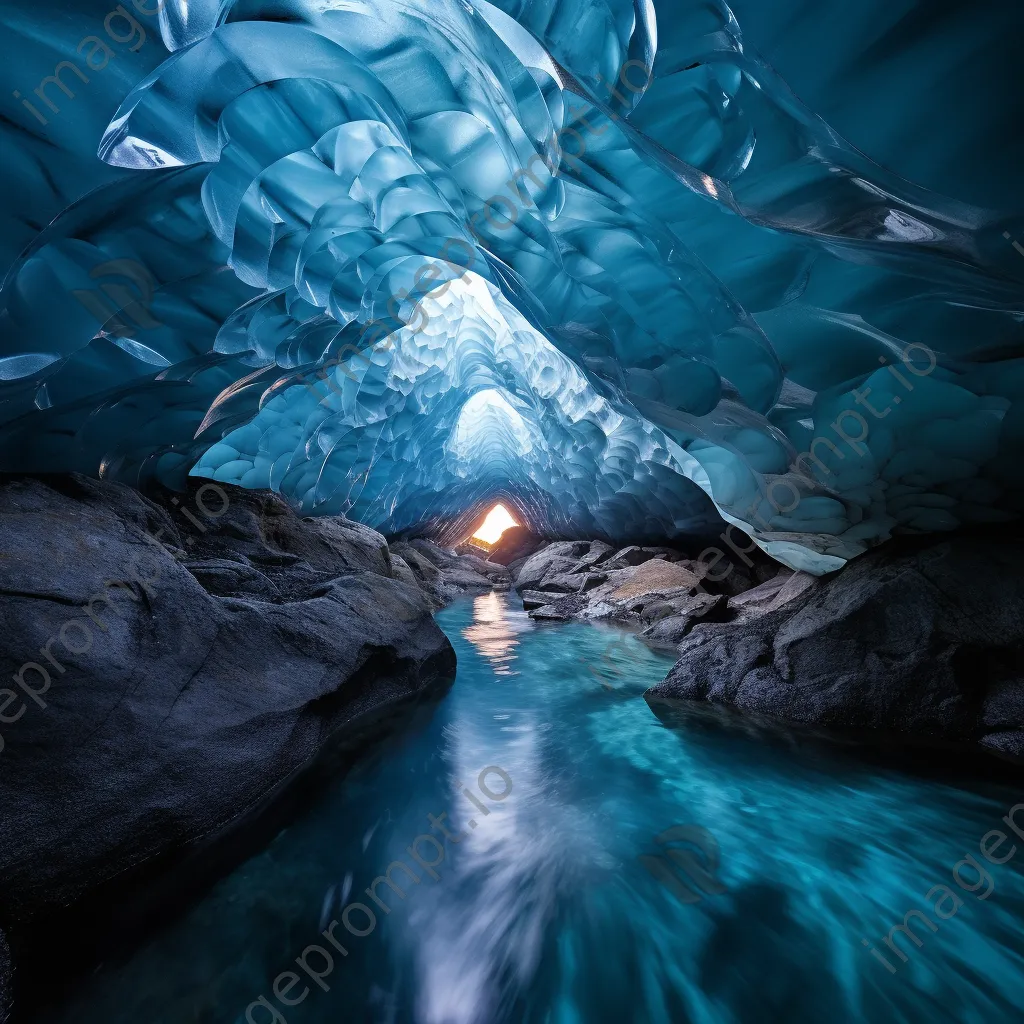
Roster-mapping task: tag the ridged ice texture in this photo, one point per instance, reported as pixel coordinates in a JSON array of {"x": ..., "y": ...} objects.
[{"x": 404, "y": 257}]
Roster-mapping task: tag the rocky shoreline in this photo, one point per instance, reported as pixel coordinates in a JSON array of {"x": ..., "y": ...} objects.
[
  {"x": 922, "y": 637},
  {"x": 173, "y": 663},
  {"x": 178, "y": 661}
]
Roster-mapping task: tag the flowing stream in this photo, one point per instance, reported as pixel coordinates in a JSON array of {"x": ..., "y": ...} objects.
[{"x": 555, "y": 902}]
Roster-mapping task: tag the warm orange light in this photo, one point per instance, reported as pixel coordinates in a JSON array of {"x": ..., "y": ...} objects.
[{"x": 497, "y": 522}]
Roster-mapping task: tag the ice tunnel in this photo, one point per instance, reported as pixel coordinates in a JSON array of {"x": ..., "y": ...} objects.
[{"x": 594, "y": 259}]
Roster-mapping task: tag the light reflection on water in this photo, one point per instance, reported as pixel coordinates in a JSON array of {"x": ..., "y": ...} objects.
[
  {"x": 494, "y": 632},
  {"x": 545, "y": 914}
]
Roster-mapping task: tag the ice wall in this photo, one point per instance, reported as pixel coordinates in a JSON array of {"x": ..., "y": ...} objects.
[{"x": 397, "y": 258}]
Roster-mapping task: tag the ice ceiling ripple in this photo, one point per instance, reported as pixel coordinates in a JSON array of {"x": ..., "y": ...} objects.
[{"x": 401, "y": 258}]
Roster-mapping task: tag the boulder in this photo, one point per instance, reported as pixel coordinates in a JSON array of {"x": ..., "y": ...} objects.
[
  {"x": 625, "y": 557},
  {"x": 401, "y": 570},
  {"x": 427, "y": 574},
  {"x": 515, "y": 543},
  {"x": 498, "y": 575},
  {"x": 598, "y": 553},
  {"x": 443, "y": 571},
  {"x": 565, "y": 608},
  {"x": 921, "y": 636},
  {"x": 769, "y": 596},
  {"x": 564, "y": 582},
  {"x": 434, "y": 553},
  {"x": 559, "y": 557},
  {"x": 649, "y": 578},
  {"x": 646, "y": 578},
  {"x": 672, "y": 619},
  {"x": 166, "y": 679}
]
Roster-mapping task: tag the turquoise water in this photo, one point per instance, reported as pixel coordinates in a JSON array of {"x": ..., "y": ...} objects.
[{"x": 545, "y": 911}]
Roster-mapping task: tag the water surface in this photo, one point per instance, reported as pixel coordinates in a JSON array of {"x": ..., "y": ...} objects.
[{"x": 547, "y": 910}]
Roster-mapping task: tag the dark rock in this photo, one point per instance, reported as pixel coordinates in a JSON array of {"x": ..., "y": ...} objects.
[
  {"x": 769, "y": 596},
  {"x": 592, "y": 580},
  {"x": 425, "y": 571},
  {"x": 626, "y": 557},
  {"x": 1010, "y": 742},
  {"x": 434, "y": 553},
  {"x": 1003, "y": 706},
  {"x": 563, "y": 582},
  {"x": 155, "y": 711},
  {"x": 225, "y": 578},
  {"x": 669, "y": 554},
  {"x": 559, "y": 557},
  {"x": 6, "y": 986},
  {"x": 662, "y": 579},
  {"x": 731, "y": 579},
  {"x": 921, "y": 637},
  {"x": 463, "y": 579},
  {"x": 401, "y": 570},
  {"x": 598, "y": 553},
  {"x": 672, "y": 620},
  {"x": 562, "y": 610},
  {"x": 444, "y": 572},
  {"x": 260, "y": 529},
  {"x": 515, "y": 543},
  {"x": 471, "y": 547},
  {"x": 498, "y": 575}
]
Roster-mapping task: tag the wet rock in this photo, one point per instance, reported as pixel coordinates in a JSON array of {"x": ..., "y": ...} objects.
[
  {"x": 148, "y": 712},
  {"x": 444, "y": 573},
  {"x": 920, "y": 637}
]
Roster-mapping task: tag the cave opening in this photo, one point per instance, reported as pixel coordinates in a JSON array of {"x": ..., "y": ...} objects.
[{"x": 496, "y": 522}]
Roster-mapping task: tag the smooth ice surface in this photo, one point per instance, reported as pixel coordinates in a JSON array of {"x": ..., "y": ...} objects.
[
  {"x": 338, "y": 222},
  {"x": 545, "y": 913}
]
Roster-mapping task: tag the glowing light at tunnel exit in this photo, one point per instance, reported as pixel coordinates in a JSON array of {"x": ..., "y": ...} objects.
[{"x": 497, "y": 522}]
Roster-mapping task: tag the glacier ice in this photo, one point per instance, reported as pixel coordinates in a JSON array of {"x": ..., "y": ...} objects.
[{"x": 403, "y": 258}]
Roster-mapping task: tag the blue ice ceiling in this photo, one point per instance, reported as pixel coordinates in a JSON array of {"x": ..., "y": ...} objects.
[{"x": 399, "y": 259}]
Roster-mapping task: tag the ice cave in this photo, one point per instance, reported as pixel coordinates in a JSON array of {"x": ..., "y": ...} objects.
[
  {"x": 336, "y": 224},
  {"x": 344, "y": 342}
]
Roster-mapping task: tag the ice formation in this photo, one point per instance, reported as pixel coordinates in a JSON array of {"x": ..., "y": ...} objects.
[{"x": 403, "y": 258}]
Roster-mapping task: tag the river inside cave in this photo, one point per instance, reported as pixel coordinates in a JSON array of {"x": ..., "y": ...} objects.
[{"x": 557, "y": 906}]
